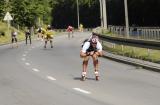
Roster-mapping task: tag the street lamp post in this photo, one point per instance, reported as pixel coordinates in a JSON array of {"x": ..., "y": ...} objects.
[
  {"x": 101, "y": 11},
  {"x": 104, "y": 14},
  {"x": 78, "y": 13},
  {"x": 126, "y": 18}
]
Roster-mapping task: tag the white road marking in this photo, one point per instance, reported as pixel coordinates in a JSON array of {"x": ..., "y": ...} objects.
[
  {"x": 27, "y": 64},
  {"x": 26, "y": 52},
  {"x": 23, "y": 59},
  {"x": 34, "y": 69},
  {"x": 51, "y": 78},
  {"x": 81, "y": 90},
  {"x": 24, "y": 55}
]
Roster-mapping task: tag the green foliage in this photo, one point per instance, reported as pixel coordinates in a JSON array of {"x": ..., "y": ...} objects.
[
  {"x": 65, "y": 13},
  {"x": 134, "y": 52},
  {"x": 7, "y": 37},
  {"x": 60, "y": 12},
  {"x": 27, "y": 12},
  {"x": 2, "y": 8},
  {"x": 141, "y": 12}
]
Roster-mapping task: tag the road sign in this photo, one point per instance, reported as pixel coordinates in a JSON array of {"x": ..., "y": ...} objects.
[{"x": 8, "y": 17}]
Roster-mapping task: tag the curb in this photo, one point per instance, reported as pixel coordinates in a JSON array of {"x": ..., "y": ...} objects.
[{"x": 132, "y": 61}]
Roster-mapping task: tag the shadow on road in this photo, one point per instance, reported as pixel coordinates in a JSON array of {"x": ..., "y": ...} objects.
[{"x": 79, "y": 78}]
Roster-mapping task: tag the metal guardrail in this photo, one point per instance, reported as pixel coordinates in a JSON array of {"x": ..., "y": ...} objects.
[
  {"x": 136, "y": 62},
  {"x": 131, "y": 42},
  {"x": 141, "y": 43},
  {"x": 147, "y": 33}
]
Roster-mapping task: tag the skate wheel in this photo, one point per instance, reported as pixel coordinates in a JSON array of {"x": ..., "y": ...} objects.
[
  {"x": 97, "y": 78},
  {"x": 83, "y": 78}
]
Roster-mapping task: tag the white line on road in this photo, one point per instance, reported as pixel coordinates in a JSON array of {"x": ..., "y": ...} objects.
[
  {"x": 81, "y": 90},
  {"x": 26, "y": 52},
  {"x": 24, "y": 55},
  {"x": 27, "y": 64},
  {"x": 23, "y": 59},
  {"x": 51, "y": 78},
  {"x": 34, "y": 69}
]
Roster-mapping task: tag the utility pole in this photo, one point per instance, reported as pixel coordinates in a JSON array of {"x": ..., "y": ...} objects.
[
  {"x": 101, "y": 13},
  {"x": 104, "y": 14},
  {"x": 78, "y": 13},
  {"x": 126, "y": 18}
]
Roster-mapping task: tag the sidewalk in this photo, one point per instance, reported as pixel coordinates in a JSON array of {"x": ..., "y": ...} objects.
[{"x": 133, "y": 61}]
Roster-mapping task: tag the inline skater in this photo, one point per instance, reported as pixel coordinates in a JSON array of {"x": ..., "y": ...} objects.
[
  {"x": 81, "y": 27},
  {"x": 70, "y": 31},
  {"x": 14, "y": 38},
  {"x": 48, "y": 36},
  {"x": 28, "y": 35},
  {"x": 39, "y": 33},
  {"x": 91, "y": 48}
]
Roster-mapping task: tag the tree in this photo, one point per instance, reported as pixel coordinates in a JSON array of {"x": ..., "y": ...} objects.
[
  {"x": 26, "y": 12},
  {"x": 2, "y": 8},
  {"x": 64, "y": 13}
]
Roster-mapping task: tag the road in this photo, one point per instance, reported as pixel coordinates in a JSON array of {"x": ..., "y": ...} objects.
[{"x": 32, "y": 75}]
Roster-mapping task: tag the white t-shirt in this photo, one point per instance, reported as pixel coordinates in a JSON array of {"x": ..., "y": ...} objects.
[
  {"x": 87, "y": 45},
  {"x": 15, "y": 33}
]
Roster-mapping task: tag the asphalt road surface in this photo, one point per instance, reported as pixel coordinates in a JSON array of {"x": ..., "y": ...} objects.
[{"x": 32, "y": 75}]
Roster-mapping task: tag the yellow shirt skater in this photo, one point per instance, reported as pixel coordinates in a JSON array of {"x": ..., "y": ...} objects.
[{"x": 48, "y": 36}]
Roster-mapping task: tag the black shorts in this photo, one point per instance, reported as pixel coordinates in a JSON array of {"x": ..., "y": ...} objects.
[
  {"x": 14, "y": 39},
  {"x": 48, "y": 37}
]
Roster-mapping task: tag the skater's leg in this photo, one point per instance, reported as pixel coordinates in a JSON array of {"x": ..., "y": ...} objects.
[
  {"x": 51, "y": 43},
  {"x": 95, "y": 63},
  {"x": 84, "y": 65}
]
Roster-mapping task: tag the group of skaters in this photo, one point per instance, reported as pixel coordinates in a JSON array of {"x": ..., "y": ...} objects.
[
  {"x": 42, "y": 33},
  {"x": 91, "y": 47},
  {"x": 14, "y": 38}
]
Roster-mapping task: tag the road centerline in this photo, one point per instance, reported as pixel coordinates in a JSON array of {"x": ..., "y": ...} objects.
[
  {"x": 27, "y": 63},
  {"x": 51, "y": 78},
  {"x": 36, "y": 70},
  {"x": 82, "y": 91}
]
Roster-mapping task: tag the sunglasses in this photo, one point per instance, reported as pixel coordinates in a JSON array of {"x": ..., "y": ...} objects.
[{"x": 94, "y": 43}]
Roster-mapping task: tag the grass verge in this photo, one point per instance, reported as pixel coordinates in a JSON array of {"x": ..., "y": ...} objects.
[{"x": 133, "y": 52}]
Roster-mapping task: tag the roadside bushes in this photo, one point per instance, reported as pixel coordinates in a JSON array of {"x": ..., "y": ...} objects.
[{"x": 2, "y": 33}]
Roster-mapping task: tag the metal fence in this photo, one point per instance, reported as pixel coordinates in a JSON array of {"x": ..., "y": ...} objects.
[{"x": 149, "y": 33}]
